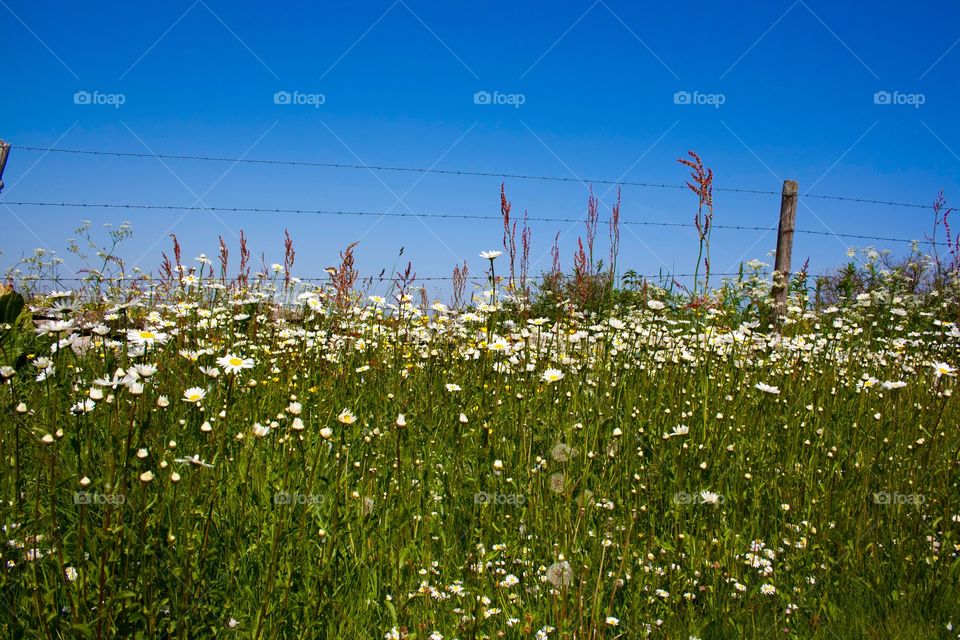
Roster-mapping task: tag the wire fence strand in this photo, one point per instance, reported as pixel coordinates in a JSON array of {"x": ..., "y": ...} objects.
[
  {"x": 384, "y": 278},
  {"x": 447, "y": 172},
  {"x": 435, "y": 215}
]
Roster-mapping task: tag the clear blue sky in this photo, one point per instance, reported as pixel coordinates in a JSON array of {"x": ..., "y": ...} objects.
[{"x": 597, "y": 80}]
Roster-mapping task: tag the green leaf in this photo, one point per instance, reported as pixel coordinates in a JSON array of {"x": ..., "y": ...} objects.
[{"x": 11, "y": 304}]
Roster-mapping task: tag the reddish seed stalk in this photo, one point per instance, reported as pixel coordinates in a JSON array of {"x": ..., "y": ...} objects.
[
  {"x": 615, "y": 235},
  {"x": 288, "y": 257},
  {"x": 243, "y": 276},
  {"x": 525, "y": 239},
  {"x": 702, "y": 186},
  {"x": 224, "y": 260},
  {"x": 593, "y": 216},
  {"x": 459, "y": 283},
  {"x": 555, "y": 270},
  {"x": 177, "y": 257},
  {"x": 509, "y": 233},
  {"x": 581, "y": 270},
  {"x": 344, "y": 277}
]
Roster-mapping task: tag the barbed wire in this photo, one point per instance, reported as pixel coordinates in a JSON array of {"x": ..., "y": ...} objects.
[
  {"x": 153, "y": 280},
  {"x": 453, "y": 216},
  {"x": 451, "y": 172}
]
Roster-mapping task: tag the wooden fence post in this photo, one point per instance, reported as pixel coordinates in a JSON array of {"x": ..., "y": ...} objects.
[
  {"x": 788, "y": 220},
  {"x": 4, "y": 152}
]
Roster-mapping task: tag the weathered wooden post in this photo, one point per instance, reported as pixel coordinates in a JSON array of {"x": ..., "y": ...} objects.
[
  {"x": 4, "y": 152},
  {"x": 788, "y": 220}
]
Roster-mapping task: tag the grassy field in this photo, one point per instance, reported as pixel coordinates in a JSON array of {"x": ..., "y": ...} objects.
[{"x": 209, "y": 462}]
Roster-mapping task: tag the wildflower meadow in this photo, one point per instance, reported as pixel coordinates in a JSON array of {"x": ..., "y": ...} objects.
[{"x": 205, "y": 454}]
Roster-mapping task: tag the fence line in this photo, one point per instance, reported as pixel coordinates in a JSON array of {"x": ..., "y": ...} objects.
[
  {"x": 449, "y": 172},
  {"x": 474, "y": 278},
  {"x": 455, "y": 216}
]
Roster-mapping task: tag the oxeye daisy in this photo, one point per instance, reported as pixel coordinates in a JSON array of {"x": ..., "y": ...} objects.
[
  {"x": 709, "y": 497},
  {"x": 941, "y": 369},
  {"x": 766, "y": 388},
  {"x": 145, "y": 370},
  {"x": 84, "y": 406},
  {"x": 346, "y": 417},
  {"x": 453, "y": 387},
  {"x": 499, "y": 344},
  {"x": 552, "y": 375},
  {"x": 211, "y": 372},
  {"x": 680, "y": 430},
  {"x": 234, "y": 364},
  {"x": 194, "y": 394},
  {"x": 146, "y": 337}
]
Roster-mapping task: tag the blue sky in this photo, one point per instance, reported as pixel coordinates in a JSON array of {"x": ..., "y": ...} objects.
[{"x": 597, "y": 80}]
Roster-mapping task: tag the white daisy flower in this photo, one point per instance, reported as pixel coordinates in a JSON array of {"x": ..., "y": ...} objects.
[
  {"x": 234, "y": 364},
  {"x": 146, "y": 337},
  {"x": 194, "y": 395}
]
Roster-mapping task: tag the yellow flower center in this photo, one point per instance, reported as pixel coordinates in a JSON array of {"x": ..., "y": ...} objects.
[
  {"x": 236, "y": 362},
  {"x": 147, "y": 335}
]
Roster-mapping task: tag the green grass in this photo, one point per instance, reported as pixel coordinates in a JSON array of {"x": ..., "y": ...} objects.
[{"x": 847, "y": 489}]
